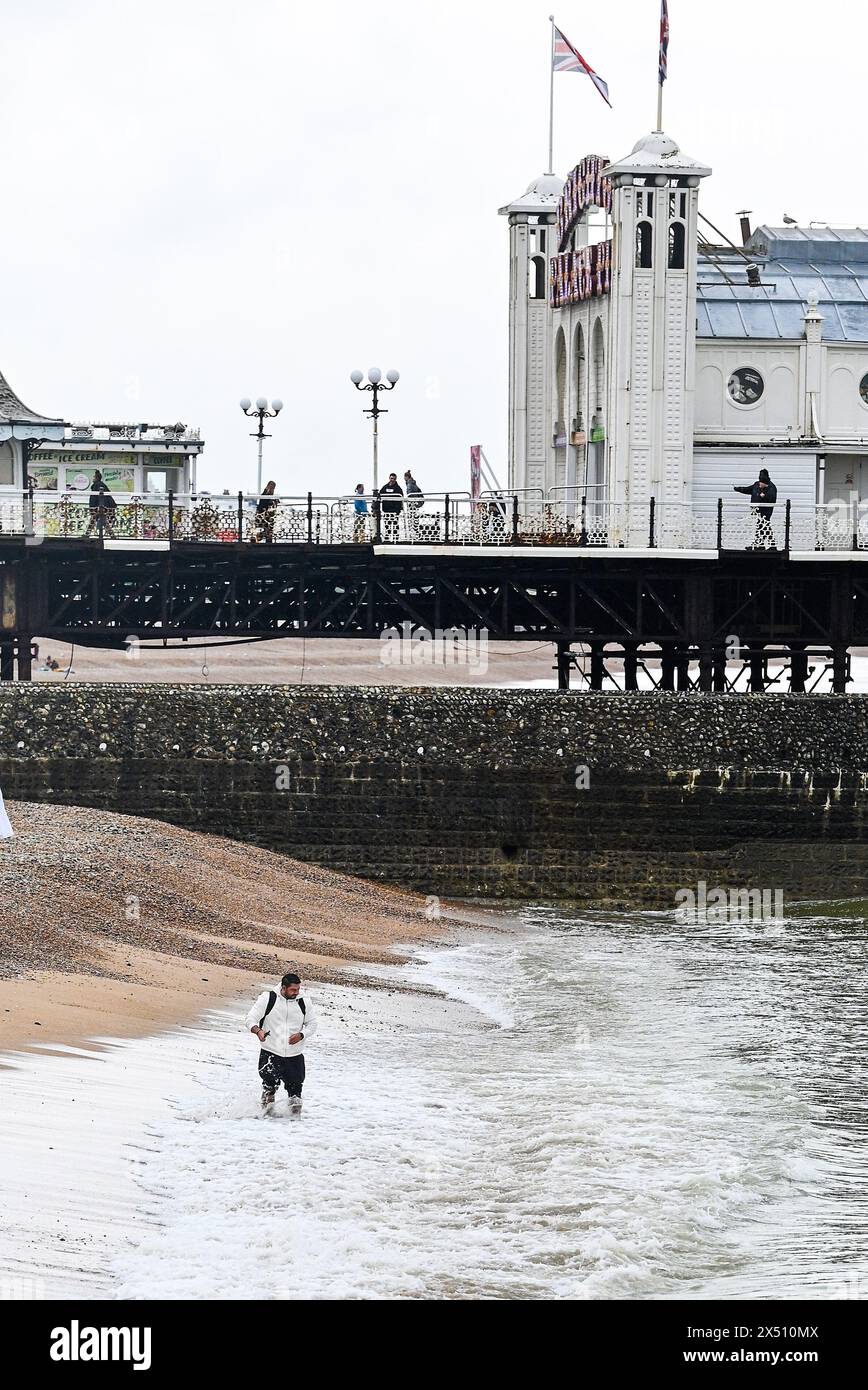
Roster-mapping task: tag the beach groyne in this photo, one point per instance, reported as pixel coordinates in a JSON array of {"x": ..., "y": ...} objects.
[{"x": 493, "y": 793}]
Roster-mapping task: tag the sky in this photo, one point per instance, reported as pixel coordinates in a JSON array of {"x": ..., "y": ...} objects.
[{"x": 205, "y": 201}]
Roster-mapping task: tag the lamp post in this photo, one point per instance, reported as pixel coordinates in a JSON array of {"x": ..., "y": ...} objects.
[
  {"x": 375, "y": 384},
  {"x": 261, "y": 412}
]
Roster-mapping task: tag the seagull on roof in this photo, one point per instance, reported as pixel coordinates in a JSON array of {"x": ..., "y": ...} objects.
[{"x": 790, "y": 221}]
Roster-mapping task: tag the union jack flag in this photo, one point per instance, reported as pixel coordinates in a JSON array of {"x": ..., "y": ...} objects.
[
  {"x": 664, "y": 42},
  {"x": 569, "y": 59}
]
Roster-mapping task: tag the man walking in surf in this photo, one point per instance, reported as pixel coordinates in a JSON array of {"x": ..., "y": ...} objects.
[{"x": 282, "y": 1022}]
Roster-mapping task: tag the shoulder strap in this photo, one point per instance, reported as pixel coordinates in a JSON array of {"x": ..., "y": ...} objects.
[
  {"x": 272, "y": 1000},
  {"x": 300, "y": 1002}
]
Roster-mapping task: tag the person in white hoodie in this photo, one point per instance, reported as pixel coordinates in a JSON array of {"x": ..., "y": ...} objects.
[
  {"x": 6, "y": 831},
  {"x": 282, "y": 1022}
]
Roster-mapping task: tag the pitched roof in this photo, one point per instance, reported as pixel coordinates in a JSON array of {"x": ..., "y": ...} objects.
[
  {"x": 793, "y": 262},
  {"x": 14, "y": 412}
]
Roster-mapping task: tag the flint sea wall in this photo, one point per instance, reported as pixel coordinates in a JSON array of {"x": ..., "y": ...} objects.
[{"x": 497, "y": 793}]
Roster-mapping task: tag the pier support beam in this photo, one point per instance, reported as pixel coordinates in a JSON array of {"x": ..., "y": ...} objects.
[
  {"x": 798, "y": 668},
  {"x": 597, "y": 666},
  {"x": 706, "y": 667},
  {"x": 631, "y": 663},
  {"x": 839, "y": 669},
  {"x": 7, "y": 659},
  {"x": 667, "y": 668},
  {"x": 564, "y": 664},
  {"x": 25, "y": 658}
]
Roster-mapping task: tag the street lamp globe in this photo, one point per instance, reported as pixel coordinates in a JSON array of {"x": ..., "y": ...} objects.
[
  {"x": 244, "y": 402},
  {"x": 261, "y": 403},
  {"x": 357, "y": 377},
  {"x": 374, "y": 375},
  {"x": 277, "y": 406},
  {"x": 392, "y": 376}
]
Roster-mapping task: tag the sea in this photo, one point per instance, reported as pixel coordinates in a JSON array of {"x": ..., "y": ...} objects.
[{"x": 629, "y": 1107}]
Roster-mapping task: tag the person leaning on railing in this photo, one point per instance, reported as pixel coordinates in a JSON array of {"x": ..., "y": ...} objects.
[{"x": 763, "y": 495}]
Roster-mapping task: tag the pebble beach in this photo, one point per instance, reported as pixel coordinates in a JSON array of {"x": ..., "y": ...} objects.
[{"x": 114, "y": 925}]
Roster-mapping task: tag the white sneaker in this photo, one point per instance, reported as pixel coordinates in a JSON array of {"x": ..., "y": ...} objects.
[
  {"x": 267, "y": 1100},
  {"x": 295, "y": 1106}
]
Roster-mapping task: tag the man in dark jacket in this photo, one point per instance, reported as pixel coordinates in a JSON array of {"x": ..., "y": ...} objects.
[
  {"x": 102, "y": 507},
  {"x": 391, "y": 508},
  {"x": 763, "y": 495}
]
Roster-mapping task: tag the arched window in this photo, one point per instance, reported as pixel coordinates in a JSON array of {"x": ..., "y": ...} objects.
[
  {"x": 579, "y": 378},
  {"x": 676, "y": 246},
  {"x": 561, "y": 389},
  {"x": 644, "y": 243},
  {"x": 596, "y": 404},
  {"x": 536, "y": 277},
  {"x": 7, "y": 465}
]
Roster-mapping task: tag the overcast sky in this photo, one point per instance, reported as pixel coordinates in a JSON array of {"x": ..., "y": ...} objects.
[{"x": 210, "y": 200}]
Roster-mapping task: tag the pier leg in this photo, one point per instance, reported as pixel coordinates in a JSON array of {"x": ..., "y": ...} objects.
[
  {"x": 719, "y": 678},
  {"x": 667, "y": 669},
  {"x": 564, "y": 663},
  {"x": 597, "y": 666},
  {"x": 839, "y": 669},
  {"x": 7, "y": 660},
  {"x": 706, "y": 667},
  {"x": 631, "y": 662},
  {"x": 798, "y": 669},
  {"x": 682, "y": 667},
  {"x": 25, "y": 659},
  {"x": 757, "y": 684}
]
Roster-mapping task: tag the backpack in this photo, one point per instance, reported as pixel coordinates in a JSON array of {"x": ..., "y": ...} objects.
[{"x": 272, "y": 1000}]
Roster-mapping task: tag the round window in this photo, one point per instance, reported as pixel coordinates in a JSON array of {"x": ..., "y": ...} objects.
[
  {"x": 863, "y": 388},
  {"x": 746, "y": 386}
]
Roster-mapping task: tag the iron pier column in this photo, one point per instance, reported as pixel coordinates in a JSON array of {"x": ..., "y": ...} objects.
[
  {"x": 667, "y": 667},
  {"x": 564, "y": 660},
  {"x": 597, "y": 666},
  {"x": 631, "y": 663},
  {"x": 798, "y": 668}
]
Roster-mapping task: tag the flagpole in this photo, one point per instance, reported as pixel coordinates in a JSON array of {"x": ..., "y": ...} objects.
[
  {"x": 551, "y": 97},
  {"x": 662, "y": 68}
]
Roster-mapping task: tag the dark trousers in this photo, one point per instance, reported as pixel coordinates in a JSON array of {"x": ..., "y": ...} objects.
[{"x": 274, "y": 1069}]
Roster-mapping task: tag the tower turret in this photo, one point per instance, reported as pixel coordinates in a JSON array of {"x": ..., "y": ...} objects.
[
  {"x": 652, "y": 338},
  {"x": 532, "y": 241}
]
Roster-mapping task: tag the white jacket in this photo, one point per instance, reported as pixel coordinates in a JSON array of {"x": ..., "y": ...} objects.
[
  {"x": 6, "y": 831},
  {"x": 285, "y": 1019}
]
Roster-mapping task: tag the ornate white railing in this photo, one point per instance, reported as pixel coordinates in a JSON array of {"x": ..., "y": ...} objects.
[{"x": 529, "y": 519}]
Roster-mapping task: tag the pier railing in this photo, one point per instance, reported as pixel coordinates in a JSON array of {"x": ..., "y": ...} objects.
[{"x": 562, "y": 518}]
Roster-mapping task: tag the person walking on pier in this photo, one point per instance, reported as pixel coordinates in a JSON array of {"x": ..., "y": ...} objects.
[
  {"x": 415, "y": 495},
  {"x": 266, "y": 513},
  {"x": 763, "y": 495},
  {"x": 282, "y": 1022},
  {"x": 102, "y": 507},
  {"x": 360, "y": 513},
  {"x": 390, "y": 508},
  {"x": 415, "y": 501}
]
